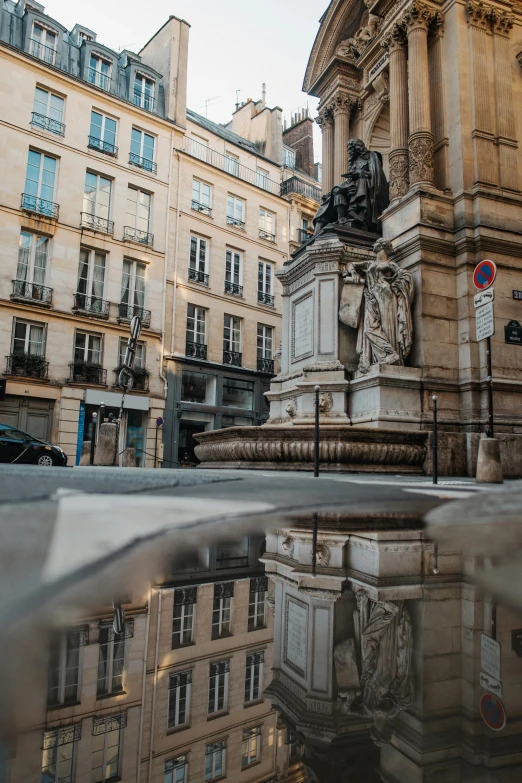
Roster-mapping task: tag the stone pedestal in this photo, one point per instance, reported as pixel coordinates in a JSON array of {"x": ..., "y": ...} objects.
[{"x": 386, "y": 396}]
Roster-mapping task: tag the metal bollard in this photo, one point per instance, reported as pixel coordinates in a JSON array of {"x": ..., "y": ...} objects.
[
  {"x": 93, "y": 438},
  {"x": 435, "y": 442},
  {"x": 314, "y": 544},
  {"x": 316, "y": 444}
]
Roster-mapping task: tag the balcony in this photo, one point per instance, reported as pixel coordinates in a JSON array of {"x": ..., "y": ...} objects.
[
  {"x": 39, "y": 205},
  {"x": 96, "y": 223},
  {"x": 43, "y": 52},
  {"x": 87, "y": 372},
  {"x": 102, "y": 146},
  {"x": 204, "y": 208},
  {"x": 232, "y": 358},
  {"x": 140, "y": 378},
  {"x": 32, "y": 292},
  {"x": 143, "y": 100},
  {"x": 91, "y": 305},
  {"x": 233, "y": 288},
  {"x": 296, "y": 185},
  {"x": 100, "y": 80},
  {"x": 28, "y": 365},
  {"x": 266, "y": 299},
  {"x": 266, "y": 235},
  {"x": 126, "y": 312},
  {"x": 135, "y": 235},
  {"x": 303, "y": 235},
  {"x": 47, "y": 124},
  {"x": 265, "y": 365},
  {"x": 196, "y": 350},
  {"x": 232, "y": 221},
  {"x": 195, "y": 276},
  {"x": 143, "y": 163}
]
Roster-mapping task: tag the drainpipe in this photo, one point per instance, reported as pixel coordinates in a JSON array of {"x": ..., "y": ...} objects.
[
  {"x": 165, "y": 266},
  {"x": 180, "y": 160},
  {"x": 152, "y": 716},
  {"x": 143, "y": 689}
]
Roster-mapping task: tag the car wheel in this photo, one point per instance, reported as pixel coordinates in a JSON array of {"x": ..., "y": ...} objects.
[{"x": 45, "y": 461}]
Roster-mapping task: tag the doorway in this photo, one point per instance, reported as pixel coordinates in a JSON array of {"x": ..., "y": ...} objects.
[{"x": 187, "y": 442}]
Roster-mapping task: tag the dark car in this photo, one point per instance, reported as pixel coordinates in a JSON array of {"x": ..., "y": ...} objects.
[{"x": 17, "y": 446}]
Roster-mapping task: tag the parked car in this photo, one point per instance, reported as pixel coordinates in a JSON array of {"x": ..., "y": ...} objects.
[{"x": 17, "y": 446}]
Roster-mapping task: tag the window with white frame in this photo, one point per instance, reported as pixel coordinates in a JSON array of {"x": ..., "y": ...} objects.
[
  {"x": 185, "y": 599},
  {"x": 87, "y": 348},
  {"x": 179, "y": 699},
  {"x": 215, "y": 760},
  {"x": 235, "y": 211},
  {"x": 262, "y": 178},
  {"x": 196, "y": 325},
  {"x": 254, "y": 676},
  {"x": 102, "y": 133},
  {"x": 139, "y": 356},
  {"x": 132, "y": 288},
  {"x": 64, "y": 666},
  {"x": 267, "y": 224},
  {"x": 289, "y": 157},
  {"x": 33, "y": 252},
  {"x": 201, "y": 197},
  {"x": 111, "y": 660},
  {"x": 97, "y": 195},
  {"x": 91, "y": 280},
  {"x": 99, "y": 72},
  {"x": 232, "y": 164},
  {"x": 218, "y": 686},
  {"x": 43, "y": 43},
  {"x": 39, "y": 182},
  {"x": 107, "y": 746},
  {"x": 257, "y": 602},
  {"x": 144, "y": 91},
  {"x": 232, "y": 334},
  {"x": 48, "y": 111},
  {"x": 142, "y": 149},
  {"x": 28, "y": 338},
  {"x": 176, "y": 770},
  {"x": 138, "y": 210},
  {"x": 265, "y": 338},
  {"x": 198, "y": 260},
  {"x": 251, "y": 746},
  {"x": 265, "y": 273},
  {"x": 198, "y": 147},
  {"x": 233, "y": 273},
  {"x": 222, "y": 609},
  {"x": 59, "y": 746}
]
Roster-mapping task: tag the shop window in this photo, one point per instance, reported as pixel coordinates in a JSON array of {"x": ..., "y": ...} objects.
[
  {"x": 238, "y": 394},
  {"x": 198, "y": 387}
]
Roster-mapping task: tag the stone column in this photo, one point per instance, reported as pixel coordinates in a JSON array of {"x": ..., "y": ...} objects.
[
  {"x": 395, "y": 43},
  {"x": 420, "y": 143},
  {"x": 326, "y": 123},
  {"x": 438, "y": 107},
  {"x": 342, "y": 107}
]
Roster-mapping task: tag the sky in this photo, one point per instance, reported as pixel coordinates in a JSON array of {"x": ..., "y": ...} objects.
[{"x": 233, "y": 45}]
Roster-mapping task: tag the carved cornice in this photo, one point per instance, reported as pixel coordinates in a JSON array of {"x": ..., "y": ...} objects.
[{"x": 417, "y": 17}]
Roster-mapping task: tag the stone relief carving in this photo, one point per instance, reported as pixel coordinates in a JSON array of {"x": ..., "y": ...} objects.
[
  {"x": 421, "y": 159},
  {"x": 399, "y": 173},
  {"x": 352, "y": 48},
  {"x": 288, "y": 546},
  {"x": 376, "y": 299},
  {"x": 325, "y": 402},
  {"x": 323, "y": 554},
  {"x": 291, "y": 407}
]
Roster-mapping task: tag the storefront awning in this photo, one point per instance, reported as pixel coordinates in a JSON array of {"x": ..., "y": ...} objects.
[{"x": 132, "y": 402}]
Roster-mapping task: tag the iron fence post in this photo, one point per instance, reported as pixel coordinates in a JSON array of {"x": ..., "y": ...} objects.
[
  {"x": 435, "y": 441},
  {"x": 316, "y": 443}
]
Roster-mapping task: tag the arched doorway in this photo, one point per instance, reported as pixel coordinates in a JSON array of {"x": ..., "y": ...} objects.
[{"x": 380, "y": 137}]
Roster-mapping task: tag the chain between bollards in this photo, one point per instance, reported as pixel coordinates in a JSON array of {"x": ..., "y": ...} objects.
[
  {"x": 435, "y": 441},
  {"x": 316, "y": 443}
]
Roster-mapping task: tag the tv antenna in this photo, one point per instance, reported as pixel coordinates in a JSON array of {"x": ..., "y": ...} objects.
[
  {"x": 208, "y": 101},
  {"x": 237, "y": 99}
]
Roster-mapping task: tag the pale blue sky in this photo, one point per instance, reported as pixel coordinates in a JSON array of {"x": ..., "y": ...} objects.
[{"x": 234, "y": 44}]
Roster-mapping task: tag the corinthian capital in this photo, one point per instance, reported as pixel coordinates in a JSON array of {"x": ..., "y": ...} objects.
[
  {"x": 325, "y": 117},
  {"x": 501, "y": 22},
  {"x": 479, "y": 14},
  {"x": 418, "y": 16},
  {"x": 343, "y": 104},
  {"x": 395, "y": 40}
]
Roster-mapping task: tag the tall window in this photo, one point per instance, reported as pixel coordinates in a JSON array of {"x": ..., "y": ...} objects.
[
  {"x": 232, "y": 334},
  {"x": 288, "y": 157},
  {"x": 198, "y": 260},
  {"x": 264, "y": 283},
  {"x": 139, "y": 356},
  {"x": 215, "y": 760},
  {"x": 99, "y": 72},
  {"x": 138, "y": 209},
  {"x": 91, "y": 280},
  {"x": 112, "y": 658},
  {"x": 201, "y": 197},
  {"x": 196, "y": 324},
  {"x": 87, "y": 348},
  {"x": 233, "y": 273},
  {"x": 257, "y": 602},
  {"x": 232, "y": 164},
  {"x": 222, "y": 609},
  {"x": 97, "y": 195},
  {"x": 185, "y": 599},
  {"x": 198, "y": 147},
  {"x": 218, "y": 686},
  {"x": 48, "y": 111},
  {"x": 262, "y": 178},
  {"x": 133, "y": 286},
  {"x": 144, "y": 92},
  {"x": 32, "y": 258},
  {"x": 235, "y": 212},
  {"x": 251, "y": 746},
  {"x": 64, "y": 667},
  {"x": 58, "y": 753},
  {"x": 28, "y": 338},
  {"x": 107, "y": 745},
  {"x": 142, "y": 149},
  {"x": 179, "y": 698},
  {"x": 39, "y": 182},
  {"x": 176, "y": 770},
  {"x": 102, "y": 133},
  {"x": 43, "y": 44},
  {"x": 254, "y": 676},
  {"x": 267, "y": 224},
  {"x": 264, "y": 341}
]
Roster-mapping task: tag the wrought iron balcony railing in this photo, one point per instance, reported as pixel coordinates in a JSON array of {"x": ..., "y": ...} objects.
[
  {"x": 233, "y": 288},
  {"x": 96, "y": 223},
  {"x": 143, "y": 163},
  {"x": 39, "y": 205},
  {"x": 232, "y": 221},
  {"x": 103, "y": 146},
  {"x": 265, "y": 365},
  {"x": 195, "y": 350},
  {"x": 99, "y": 79},
  {"x": 266, "y": 235},
  {"x": 87, "y": 372},
  {"x": 28, "y": 365},
  {"x": 266, "y": 299},
  {"x": 43, "y": 52},
  {"x": 303, "y": 235},
  {"x": 195, "y": 276},
  {"x": 143, "y": 100},
  {"x": 47, "y": 124},
  {"x": 92, "y": 305},
  {"x": 201, "y": 208},
  {"x": 131, "y": 234},
  {"x": 296, "y": 185},
  {"x": 232, "y": 358},
  {"x": 32, "y": 292},
  {"x": 140, "y": 378},
  {"x": 126, "y": 312}
]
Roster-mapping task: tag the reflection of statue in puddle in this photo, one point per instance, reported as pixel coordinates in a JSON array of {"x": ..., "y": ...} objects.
[{"x": 373, "y": 670}]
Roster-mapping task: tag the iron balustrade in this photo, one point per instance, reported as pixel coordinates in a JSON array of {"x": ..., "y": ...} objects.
[
  {"x": 126, "y": 312},
  {"x": 232, "y": 358},
  {"x": 39, "y": 205},
  {"x": 303, "y": 235},
  {"x": 99, "y": 79},
  {"x": 296, "y": 185},
  {"x": 266, "y": 235},
  {"x": 265, "y": 365},
  {"x": 233, "y": 288},
  {"x": 195, "y": 350},
  {"x": 266, "y": 299},
  {"x": 103, "y": 146},
  {"x": 195, "y": 276},
  {"x": 47, "y": 124},
  {"x": 87, "y": 372},
  {"x": 93, "y": 305},
  {"x": 140, "y": 378},
  {"x": 204, "y": 208},
  {"x": 143, "y": 163},
  {"x": 232, "y": 221},
  {"x": 224, "y": 163},
  {"x": 43, "y": 52},
  {"x": 28, "y": 365},
  {"x": 143, "y": 100},
  {"x": 131, "y": 234},
  {"x": 96, "y": 223},
  {"x": 32, "y": 292}
]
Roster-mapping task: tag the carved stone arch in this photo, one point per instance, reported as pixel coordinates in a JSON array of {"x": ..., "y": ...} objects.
[{"x": 379, "y": 136}]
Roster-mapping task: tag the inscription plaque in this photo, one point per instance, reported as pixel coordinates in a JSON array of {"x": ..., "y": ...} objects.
[
  {"x": 296, "y": 635},
  {"x": 303, "y": 327}
]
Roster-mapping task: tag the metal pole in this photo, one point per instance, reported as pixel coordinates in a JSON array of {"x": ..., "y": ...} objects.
[
  {"x": 314, "y": 543},
  {"x": 93, "y": 438},
  {"x": 489, "y": 430},
  {"x": 156, "y": 448},
  {"x": 494, "y": 619},
  {"x": 316, "y": 444},
  {"x": 435, "y": 441},
  {"x": 102, "y": 412}
]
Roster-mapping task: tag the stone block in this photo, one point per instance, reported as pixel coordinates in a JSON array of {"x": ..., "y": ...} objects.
[
  {"x": 489, "y": 466},
  {"x": 387, "y": 396}
]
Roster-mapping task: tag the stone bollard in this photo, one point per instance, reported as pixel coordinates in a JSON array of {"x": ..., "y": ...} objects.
[
  {"x": 129, "y": 458},
  {"x": 489, "y": 466},
  {"x": 106, "y": 446},
  {"x": 86, "y": 453}
]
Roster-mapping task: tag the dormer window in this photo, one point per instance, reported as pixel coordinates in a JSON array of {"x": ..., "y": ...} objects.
[
  {"x": 43, "y": 44},
  {"x": 143, "y": 92},
  {"x": 84, "y": 37},
  {"x": 99, "y": 72}
]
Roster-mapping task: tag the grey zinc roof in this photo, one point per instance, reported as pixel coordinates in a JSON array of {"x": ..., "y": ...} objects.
[{"x": 233, "y": 138}]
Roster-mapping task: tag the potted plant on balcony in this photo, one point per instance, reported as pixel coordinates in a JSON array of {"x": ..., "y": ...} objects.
[
  {"x": 87, "y": 372},
  {"x": 31, "y": 365},
  {"x": 140, "y": 375}
]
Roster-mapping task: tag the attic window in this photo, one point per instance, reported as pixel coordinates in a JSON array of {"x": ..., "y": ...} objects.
[{"x": 84, "y": 36}]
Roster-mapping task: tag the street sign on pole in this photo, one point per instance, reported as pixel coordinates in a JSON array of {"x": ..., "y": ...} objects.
[
  {"x": 493, "y": 712},
  {"x": 490, "y": 685},
  {"x": 484, "y": 297},
  {"x": 484, "y": 275},
  {"x": 159, "y": 422},
  {"x": 490, "y": 656},
  {"x": 485, "y": 321}
]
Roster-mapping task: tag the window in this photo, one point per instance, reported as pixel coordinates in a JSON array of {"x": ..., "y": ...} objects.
[
  {"x": 138, "y": 210},
  {"x": 43, "y": 44},
  {"x": 48, "y": 111},
  {"x": 84, "y": 36},
  {"x": 201, "y": 197},
  {"x": 176, "y": 770},
  {"x": 196, "y": 323},
  {"x": 235, "y": 212},
  {"x": 39, "y": 183},
  {"x": 198, "y": 387},
  {"x": 97, "y": 195},
  {"x": 99, "y": 72},
  {"x": 87, "y": 348},
  {"x": 264, "y": 284},
  {"x": 142, "y": 150},
  {"x": 262, "y": 179},
  {"x": 264, "y": 341},
  {"x": 102, "y": 133},
  {"x": 267, "y": 225},
  {"x": 33, "y": 251},
  {"x": 218, "y": 686},
  {"x": 232, "y": 164},
  {"x": 251, "y": 746},
  {"x": 111, "y": 659},
  {"x": 198, "y": 147},
  {"x": 238, "y": 394},
  {"x": 183, "y": 617},
  {"x": 58, "y": 753},
  {"x": 132, "y": 288},
  {"x": 288, "y": 157},
  {"x": 232, "y": 334},
  {"x": 222, "y": 609},
  {"x": 198, "y": 260},
  {"x": 257, "y": 602},
  {"x": 107, "y": 743},
  {"x": 233, "y": 273},
  {"x": 143, "y": 92},
  {"x": 64, "y": 667},
  {"x": 28, "y": 338},
  {"x": 232, "y": 554},
  {"x": 91, "y": 280},
  {"x": 179, "y": 699},
  {"x": 254, "y": 676},
  {"x": 139, "y": 356},
  {"x": 215, "y": 760}
]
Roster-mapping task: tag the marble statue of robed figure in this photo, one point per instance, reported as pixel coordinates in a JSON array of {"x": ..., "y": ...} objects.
[{"x": 377, "y": 299}]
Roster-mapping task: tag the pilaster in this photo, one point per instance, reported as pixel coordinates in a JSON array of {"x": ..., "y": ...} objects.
[
  {"x": 502, "y": 24},
  {"x": 342, "y": 106},
  {"x": 325, "y": 120},
  {"x": 395, "y": 44},
  {"x": 438, "y": 107}
]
